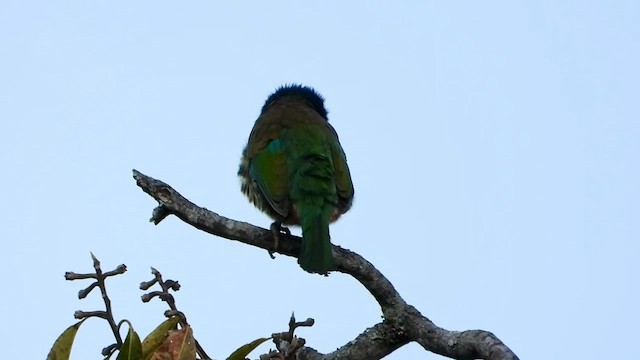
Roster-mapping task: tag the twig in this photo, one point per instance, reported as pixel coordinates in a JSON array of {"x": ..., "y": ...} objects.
[
  {"x": 100, "y": 278},
  {"x": 286, "y": 342},
  {"x": 165, "y": 295}
]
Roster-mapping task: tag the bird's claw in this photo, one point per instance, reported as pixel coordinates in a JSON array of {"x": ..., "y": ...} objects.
[{"x": 277, "y": 230}]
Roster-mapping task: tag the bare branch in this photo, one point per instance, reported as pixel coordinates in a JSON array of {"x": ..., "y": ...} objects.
[
  {"x": 100, "y": 278},
  {"x": 402, "y": 322},
  {"x": 165, "y": 295}
]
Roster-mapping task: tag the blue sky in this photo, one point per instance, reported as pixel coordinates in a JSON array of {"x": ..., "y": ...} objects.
[{"x": 493, "y": 146}]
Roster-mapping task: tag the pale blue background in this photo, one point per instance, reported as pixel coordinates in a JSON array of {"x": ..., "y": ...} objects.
[{"x": 493, "y": 145}]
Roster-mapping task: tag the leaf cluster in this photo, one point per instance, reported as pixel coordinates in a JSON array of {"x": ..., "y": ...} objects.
[{"x": 171, "y": 340}]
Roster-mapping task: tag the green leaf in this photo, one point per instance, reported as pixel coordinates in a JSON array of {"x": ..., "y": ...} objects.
[
  {"x": 61, "y": 349},
  {"x": 157, "y": 336},
  {"x": 132, "y": 347},
  {"x": 245, "y": 349}
]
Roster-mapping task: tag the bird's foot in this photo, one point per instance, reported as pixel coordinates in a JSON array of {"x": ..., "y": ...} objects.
[{"x": 277, "y": 230}]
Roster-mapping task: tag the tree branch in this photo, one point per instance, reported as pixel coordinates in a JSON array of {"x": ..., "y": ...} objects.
[{"x": 402, "y": 322}]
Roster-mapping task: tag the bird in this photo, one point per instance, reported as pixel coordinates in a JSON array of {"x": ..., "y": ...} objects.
[{"x": 294, "y": 169}]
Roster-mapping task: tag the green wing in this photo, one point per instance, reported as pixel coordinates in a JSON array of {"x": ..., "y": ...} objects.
[
  {"x": 268, "y": 169},
  {"x": 342, "y": 176}
]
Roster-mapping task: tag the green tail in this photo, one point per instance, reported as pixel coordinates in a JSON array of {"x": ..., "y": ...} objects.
[
  {"x": 314, "y": 197},
  {"x": 315, "y": 256}
]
